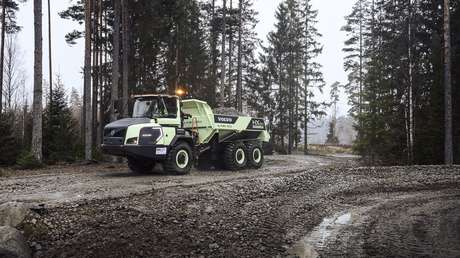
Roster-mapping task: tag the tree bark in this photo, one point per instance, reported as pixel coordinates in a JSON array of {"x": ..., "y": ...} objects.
[
  {"x": 95, "y": 60},
  {"x": 2, "y": 53},
  {"x": 87, "y": 84},
  {"x": 448, "y": 152},
  {"x": 37, "y": 134},
  {"x": 228, "y": 87},
  {"x": 50, "y": 58},
  {"x": 116, "y": 61},
  {"x": 213, "y": 91},
  {"x": 224, "y": 39},
  {"x": 100, "y": 114},
  {"x": 125, "y": 86},
  {"x": 411, "y": 91},
  {"x": 305, "y": 147},
  {"x": 239, "y": 83}
]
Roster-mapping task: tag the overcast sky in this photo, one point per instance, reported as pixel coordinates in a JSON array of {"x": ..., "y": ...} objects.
[{"x": 68, "y": 60}]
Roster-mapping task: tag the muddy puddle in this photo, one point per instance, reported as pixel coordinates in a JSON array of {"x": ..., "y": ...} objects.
[{"x": 422, "y": 225}]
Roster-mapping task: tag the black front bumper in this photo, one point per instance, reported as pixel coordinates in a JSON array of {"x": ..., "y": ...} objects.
[{"x": 135, "y": 151}]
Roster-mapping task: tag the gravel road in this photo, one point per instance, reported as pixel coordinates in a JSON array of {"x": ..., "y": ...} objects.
[
  {"x": 296, "y": 207},
  {"x": 66, "y": 184}
]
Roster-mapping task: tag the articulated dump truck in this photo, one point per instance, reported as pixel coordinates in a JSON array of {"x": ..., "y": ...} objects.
[{"x": 182, "y": 133}]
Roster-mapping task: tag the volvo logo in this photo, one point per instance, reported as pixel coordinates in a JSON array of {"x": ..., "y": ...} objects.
[
  {"x": 225, "y": 119},
  {"x": 112, "y": 133}
]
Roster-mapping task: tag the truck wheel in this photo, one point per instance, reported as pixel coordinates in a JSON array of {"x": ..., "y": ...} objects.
[
  {"x": 235, "y": 156},
  {"x": 180, "y": 159},
  {"x": 256, "y": 156},
  {"x": 140, "y": 166}
]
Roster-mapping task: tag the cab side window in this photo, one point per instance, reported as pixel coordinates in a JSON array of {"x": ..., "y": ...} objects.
[{"x": 171, "y": 105}]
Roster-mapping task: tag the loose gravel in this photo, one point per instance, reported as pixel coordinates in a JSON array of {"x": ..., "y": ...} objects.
[{"x": 266, "y": 213}]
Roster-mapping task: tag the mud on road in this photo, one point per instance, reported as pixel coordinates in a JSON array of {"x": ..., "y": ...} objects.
[{"x": 295, "y": 206}]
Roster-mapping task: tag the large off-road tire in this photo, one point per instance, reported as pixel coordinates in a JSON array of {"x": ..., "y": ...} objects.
[
  {"x": 140, "y": 166},
  {"x": 255, "y": 156},
  {"x": 235, "y": 156},
  {"x": 179, "y": 160}
]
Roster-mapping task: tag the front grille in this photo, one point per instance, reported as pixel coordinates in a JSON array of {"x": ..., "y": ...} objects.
[{"x": 149, "y": 136}]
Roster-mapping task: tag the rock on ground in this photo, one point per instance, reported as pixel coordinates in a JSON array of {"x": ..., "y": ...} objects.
[
  {"x": 12, "y": 243},
  {"x": 12, "y": 214}
]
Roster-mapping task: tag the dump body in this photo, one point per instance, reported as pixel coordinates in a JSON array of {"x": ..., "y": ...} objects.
[{"x": 227, "y": 127}]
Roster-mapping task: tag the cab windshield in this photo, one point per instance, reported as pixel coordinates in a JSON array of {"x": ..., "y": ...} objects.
[{"x": 155, "y": 107}]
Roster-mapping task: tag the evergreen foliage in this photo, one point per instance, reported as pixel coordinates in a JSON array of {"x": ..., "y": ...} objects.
[
  {"x": 8, "y": 145},
  {"x": 27, "y": 161},
  {"x": 289, "y": 76},
  {"x": 394, "y": 60},
  {"x": 60, "y": 136},
  {"x": 12, "y": 7}
]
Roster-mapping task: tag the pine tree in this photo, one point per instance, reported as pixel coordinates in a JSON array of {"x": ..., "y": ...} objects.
[
  {"x": 8, "y": 144},
  {"x": 59, "y": 128},
  {"x": 334, "y": 95},
  {"x": 9, "y": 8},
  {"x": 313, "y": 77}
]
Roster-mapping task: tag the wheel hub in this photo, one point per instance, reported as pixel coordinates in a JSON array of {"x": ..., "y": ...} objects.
[
  {"x": 257, "y": 155},
  {"x": 240, "y": 156},
  {"x": 182, "y": 159}
]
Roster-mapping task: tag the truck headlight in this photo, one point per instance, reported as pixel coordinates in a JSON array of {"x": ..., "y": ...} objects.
[{"x": 150, "y": 135}]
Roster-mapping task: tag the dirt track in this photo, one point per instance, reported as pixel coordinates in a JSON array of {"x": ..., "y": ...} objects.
[
  {"x": 303, "y": 206},
  {"x": 63, "y": 184}
]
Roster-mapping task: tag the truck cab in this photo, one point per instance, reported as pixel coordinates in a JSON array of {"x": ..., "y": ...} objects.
[{"x": 180, "y": 133}]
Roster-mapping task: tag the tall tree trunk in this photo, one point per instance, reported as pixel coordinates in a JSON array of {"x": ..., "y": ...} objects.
[
  {"x": 50, "y": 57},
  {"x": 228, "y": 87},
  {"x": 239, "y": 83},
  {"x": 37, "y": 134},
  {"x": 116, "y": 61},
  {"x": 95, "y": 71},
  {"x": 87, "y": 84},
  {"x": 223, "y": 55},
  {"x": 410, "y": 91},
  {"x": 213, "y": 91},
  {"x": 100, "y": 110},
  {"x": 291, "y": 99},
  {"x": 361, "y": 54},
  {"x": 177, "y": 60},
  {"x": 2, "y": 53},
  {"x": 125, "y": 86},
  {"x": 448, "y": 152},
  {"x": 305, "y": 115}
]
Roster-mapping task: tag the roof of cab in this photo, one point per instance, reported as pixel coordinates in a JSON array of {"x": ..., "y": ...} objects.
[{"x": 153, "y": 95}]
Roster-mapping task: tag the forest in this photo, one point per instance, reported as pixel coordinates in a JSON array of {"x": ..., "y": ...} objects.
[{"x": 402, "y": 60}]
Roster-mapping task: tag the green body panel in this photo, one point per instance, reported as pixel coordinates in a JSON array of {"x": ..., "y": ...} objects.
[
  {"x": 206, "y": 126},
  {"x": 204, "y": 119},
  {"x": 134, "y": 130},
  {"x": 168, "y": 133}
]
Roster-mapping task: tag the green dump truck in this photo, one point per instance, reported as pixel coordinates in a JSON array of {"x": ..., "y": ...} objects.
[{"x": 182, "y": 133}]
